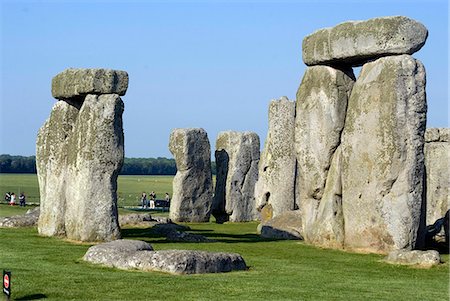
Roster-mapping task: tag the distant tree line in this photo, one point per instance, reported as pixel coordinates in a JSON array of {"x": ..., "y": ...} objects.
[{"x": 131, "y": 166}]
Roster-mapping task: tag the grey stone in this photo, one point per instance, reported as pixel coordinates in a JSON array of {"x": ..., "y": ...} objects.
[
  {"x": 276, "y": 171},
  {"x": 287, "y": 225},
  {"x": 76, "y": 83},
  {"x": 237, "y": 158},
  {"x": 421, "y": 258},
  {"x": 327, "y": 230},
  {"x": 321, "y": 111},
  {"x": 135, "y": 219},
  {"x": 178, "y": 236},
  {"x": 357, "y": 42},
  {"x": 382, "y": 156},
  {"x": 139, "y": 255},
  {"x": 166, "y": 228},
  {"x": 52, "y": 146},
  {"x": 192, "y": 185},
  {"x": 94, "y": 159},
  {"x": 437, "y": 166},
  {"x": 29, "y": 219}
]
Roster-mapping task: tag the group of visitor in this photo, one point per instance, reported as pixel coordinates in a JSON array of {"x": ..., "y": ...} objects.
[
  {"x": 151, "y": 201},
  {"x": 10, "y": 198}
]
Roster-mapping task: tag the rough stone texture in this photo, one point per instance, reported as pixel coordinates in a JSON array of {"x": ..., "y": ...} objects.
[
  {"x": 437, "y": 166},
  {"x": 29, "y": 219},
  {"x": 94, "y": 159},
  {"x": 357, "y": 42},
  {"x": 237, "y": 158},
  {"x": 51, "y": 160},
  {"x": 135, "y": 219},
  {"x": 178, "y": 236},
  {"x": 127, "y": 255},
  {"x": 192, "y": 185},
  {"x": 382, "y": 156},
  {"x": 276, "y": 171},
  {"x": 327, "y": 230},
  {"x": 321, "y": 108},
  {"x": 75, "y": 83},
  {"x": 421, "y": 258},
  {"x": 287, "y": 225}
]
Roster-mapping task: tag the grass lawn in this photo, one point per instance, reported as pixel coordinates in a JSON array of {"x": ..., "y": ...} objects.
[
  {"x": 50, "y": 268},
  {"x": 129, "y": 193}
]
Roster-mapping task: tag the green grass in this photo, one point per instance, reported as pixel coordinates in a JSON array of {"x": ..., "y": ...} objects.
[
  {"x": 51, "y": 268},
  {"x": 129, "y": 193}
]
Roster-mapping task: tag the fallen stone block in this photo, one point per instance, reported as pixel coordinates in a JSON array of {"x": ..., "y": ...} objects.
[{"x": 421, "y": 258}]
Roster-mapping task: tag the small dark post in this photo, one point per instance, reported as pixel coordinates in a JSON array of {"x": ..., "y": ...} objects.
[{"x": 7, "y": 284}]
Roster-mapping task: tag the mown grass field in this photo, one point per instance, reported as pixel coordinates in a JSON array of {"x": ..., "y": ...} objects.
[
  {"x": 129, "y": 193},
  {"x": 52, "y": 269}
]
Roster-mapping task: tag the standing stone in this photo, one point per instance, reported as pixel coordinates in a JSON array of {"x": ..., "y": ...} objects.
[
  {"x": 237, "y": 158},
  {"x": 94, "y": 159},
  {"x": 437, "y": 166},
  {"x": 382, "y": 156},
  {"x": 276, "y": 181},
  {"x": 192, "y": 185},
  {"x": 51, "y": 160},
  {"x": 321, "y": 108},
  {"x": 357, "y": 42},
  {"x": 79, "y": 153}
]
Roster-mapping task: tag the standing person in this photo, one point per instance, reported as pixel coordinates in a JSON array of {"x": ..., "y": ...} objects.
[
  {"x": 144, "y": 200},
  {"x": 167, "y": 199},
  {"x": 12, "y": 202},
  {"x": 22, "y": 200},
  {"x": 152, "y": 200},
  {"x": 8, "y": 197}
]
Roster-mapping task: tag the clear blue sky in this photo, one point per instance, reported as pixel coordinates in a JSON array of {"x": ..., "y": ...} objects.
[{"x": 209, "y": 64}]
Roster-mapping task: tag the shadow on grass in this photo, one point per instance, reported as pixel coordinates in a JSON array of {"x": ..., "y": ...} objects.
[
  {"x": 32, "y": 297},
  {"x": 150, "y": 235}
]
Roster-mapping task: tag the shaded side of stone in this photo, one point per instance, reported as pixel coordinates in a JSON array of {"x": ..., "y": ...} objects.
[
  {"x": 437, "y": 166},
  {"x": 192, "y": 185},
  {"x": 287, "y": 225},
  {"x": 235, "y": 194}
]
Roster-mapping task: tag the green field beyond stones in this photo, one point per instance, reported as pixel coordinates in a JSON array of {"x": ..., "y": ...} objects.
[{"x": 52, "y": 269}]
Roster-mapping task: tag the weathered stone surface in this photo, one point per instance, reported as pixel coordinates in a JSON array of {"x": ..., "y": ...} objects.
[
  {"x": 437, "y": 166},
  {"x": 192, "y": 185},
  {"x": 76, "y": 83},
  {"x": 421, "y": 258},
  {"x": 139, "y": 255},
  {"x": 276, "y": 171},
  {"x": 29, "y": 219},
  {"x": 321, "y": 109},
  {"x": 237, "y": 158},
  {"x": 135, "y": 219},
  {"x": 51, "y": 160},
  {"x": 178, "y": 236},
  {"x": 382, "y": 156},
  {"x": 327, "y": 230},
  {"x": 94, "y": 158},
  {"x": 357, "y": 42},
  {"x": 287, "y": 225}
]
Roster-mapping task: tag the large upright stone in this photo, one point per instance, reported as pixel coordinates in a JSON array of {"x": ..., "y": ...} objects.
[
  {"x": 276, "y": 179},
  {"x": 437, "y": 166},
  {"x": 356, "y": 42},
  {"x": 51, "y": 159},
  {"x": 74, "y": 83},
  {"x": 94, "y": 159},
  {"x": 321, "y": 108},
  {"x": 192, "y": 185},
  {"x": 382, "y": 156},
  {"x": 237, "y": 158}
]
